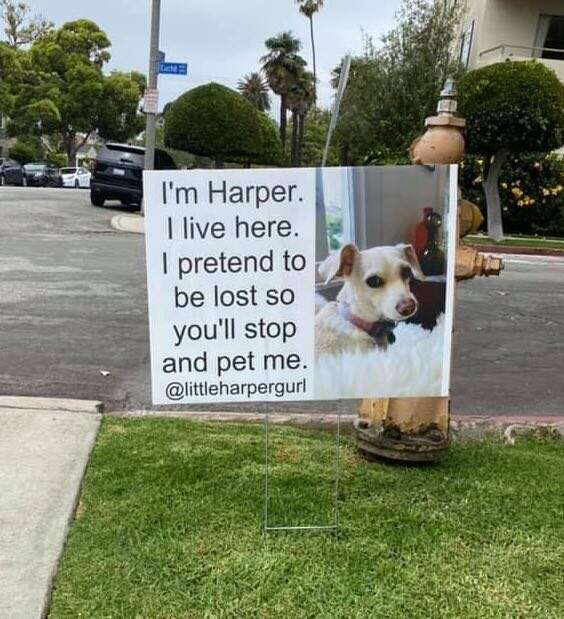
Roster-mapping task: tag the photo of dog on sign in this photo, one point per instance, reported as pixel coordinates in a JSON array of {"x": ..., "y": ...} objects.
[{"x": 381, "y": 283}]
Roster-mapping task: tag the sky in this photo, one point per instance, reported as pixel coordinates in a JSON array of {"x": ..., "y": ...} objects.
[{"x": 224, "y": 39}]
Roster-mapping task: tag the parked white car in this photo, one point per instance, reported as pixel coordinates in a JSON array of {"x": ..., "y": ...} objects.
[{"x": 76, "y": 177}]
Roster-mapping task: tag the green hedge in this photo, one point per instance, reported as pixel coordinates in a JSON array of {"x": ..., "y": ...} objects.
[{"x": 215, "y": 121}]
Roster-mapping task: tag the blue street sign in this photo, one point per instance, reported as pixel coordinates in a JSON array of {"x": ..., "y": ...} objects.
[{"x": 173, "y": 68}]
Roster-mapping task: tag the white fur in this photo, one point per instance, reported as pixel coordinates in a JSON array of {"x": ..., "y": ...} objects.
[{"x": 412, "y": 366}]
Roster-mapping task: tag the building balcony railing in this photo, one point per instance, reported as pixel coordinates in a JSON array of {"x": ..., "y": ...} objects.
[
  {"x": 522, "y": 51},
  {"x": 549, "y": 56}
]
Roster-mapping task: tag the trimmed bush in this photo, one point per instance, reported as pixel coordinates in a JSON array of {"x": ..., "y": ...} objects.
[
  {"x": 214, "y": 121},
  {"x": 514, "y": 105},
  {"x": 510, "y": 108}
]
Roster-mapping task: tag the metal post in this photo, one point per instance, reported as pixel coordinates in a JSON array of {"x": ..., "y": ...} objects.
[
  {"x": 266, "y": 472},
  {"x": 150, "y": 131},
  {"x": 334, "y": 526},
  {"x": 343, "y": 79}
]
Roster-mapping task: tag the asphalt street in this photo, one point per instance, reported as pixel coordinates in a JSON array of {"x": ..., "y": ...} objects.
[{"x": 73, "y": 315}]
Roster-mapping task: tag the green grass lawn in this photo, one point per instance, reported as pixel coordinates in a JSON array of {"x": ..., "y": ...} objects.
[
  {"x": 535, "y": 242},
  {"x": 169, "y": 525}
]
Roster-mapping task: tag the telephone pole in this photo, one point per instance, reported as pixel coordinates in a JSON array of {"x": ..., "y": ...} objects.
[{"x": 150, "y": 131}]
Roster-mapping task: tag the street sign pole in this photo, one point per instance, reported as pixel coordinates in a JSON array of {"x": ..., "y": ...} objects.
[{"x": 150, "y": 131}]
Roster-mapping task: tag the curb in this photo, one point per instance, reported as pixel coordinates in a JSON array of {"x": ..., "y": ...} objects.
[
  {"x": 476, "y": 428},
  {"x": 45, "y": 502},
  {"x": 52, "y": 404},
  {"x": 134, "y": 224},
  {"x": 462, "y": 427},
  {"x": 303, "y": 420},
  {"x": 516, "y": 250}
]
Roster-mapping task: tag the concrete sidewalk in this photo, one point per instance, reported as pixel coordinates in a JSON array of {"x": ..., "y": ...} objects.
[{"x": 44, "y": 448}]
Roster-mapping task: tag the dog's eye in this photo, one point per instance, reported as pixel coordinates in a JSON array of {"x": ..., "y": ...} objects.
[
  {"x": 406, "y": 272},
  {"x": 375, "y": 281}
]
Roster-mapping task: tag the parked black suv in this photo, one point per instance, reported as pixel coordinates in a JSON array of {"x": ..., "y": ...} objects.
[
  {"x": 42, "y": 175},
  {"x": 117, "y": 173},
  {"x": 11, "y": 172}
]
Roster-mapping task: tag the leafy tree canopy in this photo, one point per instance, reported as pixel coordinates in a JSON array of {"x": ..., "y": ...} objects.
[
  {"x": 394, "y": 86},
  {"x": 64, "y": 91},
  {"x": 315, "y": 135},
  {"x": 10, "y": 76},
  {"x": 118, "y": 115},
  {"x": 77, "y": 41},
  {"x": 20, "y": 28}
]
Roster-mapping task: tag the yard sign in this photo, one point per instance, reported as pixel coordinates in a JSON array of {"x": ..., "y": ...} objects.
[{"x": 239, "y": 309}]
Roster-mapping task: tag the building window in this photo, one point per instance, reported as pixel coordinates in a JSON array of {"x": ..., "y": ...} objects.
[
  {"x": 466, "y": 46},
  {"x": 550, "y": 37}
]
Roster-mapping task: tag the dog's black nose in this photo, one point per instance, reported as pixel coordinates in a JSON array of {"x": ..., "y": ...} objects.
[{"x": 406, "y": 307}]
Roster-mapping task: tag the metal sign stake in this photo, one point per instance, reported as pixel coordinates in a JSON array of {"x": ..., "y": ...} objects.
[{"x": 267, "y": 528}]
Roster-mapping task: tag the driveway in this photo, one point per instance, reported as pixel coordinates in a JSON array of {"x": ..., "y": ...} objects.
[{"x": 73, "y": 315}]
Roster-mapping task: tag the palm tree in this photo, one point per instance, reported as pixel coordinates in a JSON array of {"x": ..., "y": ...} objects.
[
  {"x": 281, "y": 65},
  {"x": 255, "y": 89},
  {"x": 309, "y": 8},
  {"x": 300, "y": 98}
]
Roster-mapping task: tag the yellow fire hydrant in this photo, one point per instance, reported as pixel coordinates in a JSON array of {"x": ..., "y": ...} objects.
[{"x": 417, "y": 429}]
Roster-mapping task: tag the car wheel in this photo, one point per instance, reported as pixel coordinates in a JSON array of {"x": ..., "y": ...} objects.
[{"x": 97, "y": 199}]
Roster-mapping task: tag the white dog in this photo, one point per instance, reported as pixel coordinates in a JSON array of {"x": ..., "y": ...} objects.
[{"x": 375, "y": 296}]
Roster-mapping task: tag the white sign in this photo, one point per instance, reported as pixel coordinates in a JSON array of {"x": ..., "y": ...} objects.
[
  {"x": 151, "y": 101},
  {"x": 231, "y": 273},
  {"x": 300, "y": 284}
]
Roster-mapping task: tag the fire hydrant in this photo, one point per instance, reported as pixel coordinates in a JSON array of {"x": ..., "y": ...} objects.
[{"x": 417, "y": 429}]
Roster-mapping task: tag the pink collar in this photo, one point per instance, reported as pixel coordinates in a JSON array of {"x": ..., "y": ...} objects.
[{"x": 376, "y": 330}]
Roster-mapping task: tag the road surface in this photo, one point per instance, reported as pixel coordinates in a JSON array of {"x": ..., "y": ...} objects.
[{"x": 73, "y": 315}]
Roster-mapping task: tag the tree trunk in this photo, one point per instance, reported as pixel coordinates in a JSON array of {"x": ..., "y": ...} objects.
[
  {"x": 73, "y": 147},
  {"x": 302, "y": 120},
  {"x": 295, "y": 126},
  {"x": 346, "y": 156},
  {"x": 283, "y": 122},
  {"x": 314, "y": 60},
  {"x": 491, "y": 189},
  {"x": 70, "y": 148}
]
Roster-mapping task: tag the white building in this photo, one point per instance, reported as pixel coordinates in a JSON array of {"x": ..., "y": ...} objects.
[{"x": 497, "y": 30}]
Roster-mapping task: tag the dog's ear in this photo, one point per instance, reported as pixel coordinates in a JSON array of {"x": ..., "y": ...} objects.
[
  {"x": 339, "y": 264},
  {"x": 408, "y": 253}
]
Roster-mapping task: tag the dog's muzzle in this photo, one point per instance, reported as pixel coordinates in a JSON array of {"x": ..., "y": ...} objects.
[{"x": 406, "y": 307}]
